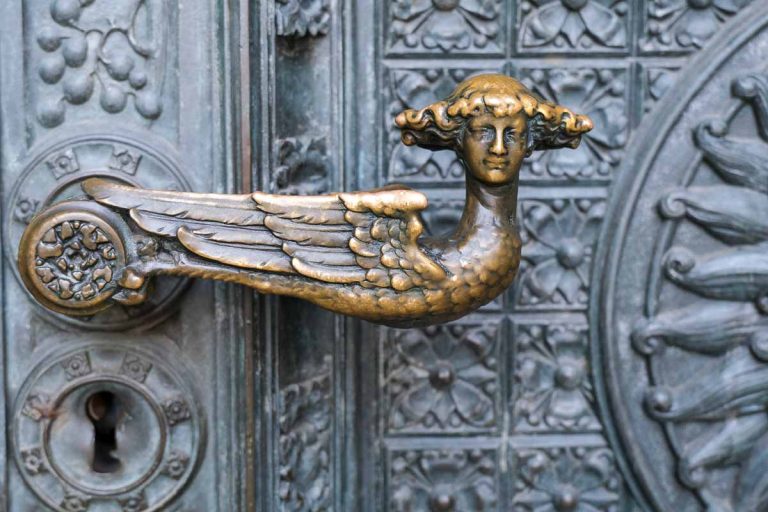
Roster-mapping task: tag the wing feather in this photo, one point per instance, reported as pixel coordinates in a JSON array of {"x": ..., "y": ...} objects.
[
  {"x": 229, "y": 209},
  {"x": 304, "y": 209},
  {"x": 168, "y": 226},
  {"x": 309, "y": 234},
  {"x": 364, "y": 249},
  {"x": 243, "y": 256},
  {"x": 328, "y": 273},
  {"x": 367, "y": 238},
  {"x": 325, "y": 256}
]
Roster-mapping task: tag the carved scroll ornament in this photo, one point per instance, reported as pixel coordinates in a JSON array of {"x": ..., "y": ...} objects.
[{"x": 359, "y": 253}]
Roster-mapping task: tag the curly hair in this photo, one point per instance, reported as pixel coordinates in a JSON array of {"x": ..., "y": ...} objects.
[{"x": 441, "y": 124}]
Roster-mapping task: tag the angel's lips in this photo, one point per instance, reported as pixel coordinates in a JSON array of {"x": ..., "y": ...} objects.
[{"x": 496, "y": 163}]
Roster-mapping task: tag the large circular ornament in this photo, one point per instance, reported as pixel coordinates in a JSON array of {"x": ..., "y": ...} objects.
[{"x": 679, "y": 310}]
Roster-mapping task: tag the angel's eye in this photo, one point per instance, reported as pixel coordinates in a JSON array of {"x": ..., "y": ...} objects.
[
  {"x": 509, "y": 135},
  {"x": 484, "y": 133}
]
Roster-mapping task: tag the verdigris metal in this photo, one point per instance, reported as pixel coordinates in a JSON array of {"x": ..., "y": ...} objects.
[
  {"x": 360, "y": 253},
  {"x": 307, "y": 410},
  {"x": 96, "y": 88},
  {"x": 680, "y": 309}
]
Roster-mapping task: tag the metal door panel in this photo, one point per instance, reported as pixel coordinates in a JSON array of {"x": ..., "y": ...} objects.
[
  {"x": 63, "y": 117},
  {"x": 303, "y": 410}
]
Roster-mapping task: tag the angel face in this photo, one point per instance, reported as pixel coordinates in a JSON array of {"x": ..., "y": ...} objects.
[{"x": 494, "y": 147}]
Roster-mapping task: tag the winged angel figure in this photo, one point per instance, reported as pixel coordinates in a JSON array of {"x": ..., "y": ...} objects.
[{"x": 358, "y": 253}]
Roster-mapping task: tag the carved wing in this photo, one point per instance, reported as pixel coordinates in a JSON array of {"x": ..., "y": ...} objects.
[{"x": 366, "y": 238}]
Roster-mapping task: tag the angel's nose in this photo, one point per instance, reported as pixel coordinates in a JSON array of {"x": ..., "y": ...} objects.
[{"x": 498, "y": 147}]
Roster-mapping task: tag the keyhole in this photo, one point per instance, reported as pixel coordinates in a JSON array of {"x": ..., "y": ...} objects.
[{"x": 104, "y": 410}]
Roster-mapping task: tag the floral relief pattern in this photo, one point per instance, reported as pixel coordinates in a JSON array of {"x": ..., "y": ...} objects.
[
  {"x": 303, "y": 166},
  {"x": 175, "y": 465},
  {"x": 710, "y": 313},
  {"x": 135, "y": 367},
  {"x": 34, "y": 461},
  {"x": 443, "y": 481},
  {"x": 124, "y": 159},
  {"x": 75, "y": 503},
  {"x": 134, "y": 503},
  {"x": 685, "y": 25},
  {"x": 78, "y": 365},
  {"x": 443, "y": 214},
  {"x": 25, "y": 209},
  {"x": 552, "y": 386},
  {"x": 566, "y": 479},
  {"x": 176, "y": 411},
  {"x": 442, "y": 378},
  {"x": 558, "y": 240},
  {"x": 656, "y": 82},
  {"x": 599, "y": 93},
  {"x": 302, "y": 18},
  {"x": 443, "y": 26},
  {"x": 412, "y": 88},
  {"x": 567, "y": 25},
  {"x": 63, "y": 163},
  {"x": 305, "y": 444},
  {"x": 38, "y": 406}
]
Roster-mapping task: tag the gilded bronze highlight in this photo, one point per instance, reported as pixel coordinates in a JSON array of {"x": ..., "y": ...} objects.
[{"x": 359, "y": 253}]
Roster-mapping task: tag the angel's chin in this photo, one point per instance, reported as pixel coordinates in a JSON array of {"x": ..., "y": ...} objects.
[{"x": 498, "y": 176}]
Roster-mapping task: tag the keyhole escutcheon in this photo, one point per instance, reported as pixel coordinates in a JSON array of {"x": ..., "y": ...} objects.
[{"x": 105, "y": 412}]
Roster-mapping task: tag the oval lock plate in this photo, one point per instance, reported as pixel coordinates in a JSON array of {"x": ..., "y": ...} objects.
[{"x": 106, "y": 427}]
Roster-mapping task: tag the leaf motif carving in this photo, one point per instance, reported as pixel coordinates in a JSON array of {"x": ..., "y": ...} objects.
[
  {"x": 707, "y": 350},
  {"x": 730, "y": 444},
  {"x": 736, "y": 215},
  {"x": 752, "y": 489},
  {"x": 305, "y": 444},
  {"x": 710, "y": 329},
  {"x": 755, "y": 89},
  {"x": 733, "y": 274},
  {"x": 737, "y": 161},
  {"x": 737, "y": 392}
]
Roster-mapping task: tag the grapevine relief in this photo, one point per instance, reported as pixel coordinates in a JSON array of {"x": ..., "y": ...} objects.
[
  {"x": 718, "y": 325},
  {"x": 92, "y": 47}
]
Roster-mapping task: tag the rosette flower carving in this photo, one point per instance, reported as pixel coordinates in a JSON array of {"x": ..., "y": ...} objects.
[
  {"x": 443, "y": 378},
  {"x": 567, "y": 479},
  {"x": 577, "y": 23},
  {"x": 686, "y": 24},
  {"x": 443, "y": 480}
]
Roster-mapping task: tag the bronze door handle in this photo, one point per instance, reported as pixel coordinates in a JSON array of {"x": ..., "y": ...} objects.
[{"x": 356, "y": 253}]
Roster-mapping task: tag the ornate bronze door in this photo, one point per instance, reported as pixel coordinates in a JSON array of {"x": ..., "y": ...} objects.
[{"x": 623, "y": 370}]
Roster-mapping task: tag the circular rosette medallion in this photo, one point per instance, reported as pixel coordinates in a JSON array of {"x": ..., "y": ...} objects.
[
  {"x": 680, "y": 315},
  {"x": 73, "y": 264},
  {"x": 72, "y": 257},
  {"x": 104, "y": 427}
]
